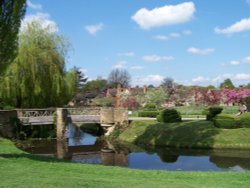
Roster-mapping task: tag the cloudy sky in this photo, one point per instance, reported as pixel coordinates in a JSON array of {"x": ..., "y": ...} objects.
[{"x": 194, "y": 42}]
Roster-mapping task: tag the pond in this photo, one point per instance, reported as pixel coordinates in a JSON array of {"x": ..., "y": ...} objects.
[{"x": 81, "y": 147}]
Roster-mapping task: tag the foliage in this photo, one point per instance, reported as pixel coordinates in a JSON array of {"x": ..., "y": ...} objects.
[
  {"x": 167, "y": 83},
  {"x": 213, "y": 111},
  {"x": 81, "y": 79},
  {"x": 157, "y": 96},
  {"x": 36, "y": 78},
  {"x": 225, "y": 121},
  {"x": 169, "y": 116},
  {"x": 227, "y": 83},
  {"x": 130, "y": 103},
  {"x": 150, "y": 106},
  {"x": 244, "y": 120},
  {"x": 234, "y": 95},
  {"x": 71, "y": 80},
  {"x": 94, "y": 85},
  {"x": 11, "y": 13},
  {"x": 148, "y": 113},
  {"x": 247, "y": 102},
  {"x": 119, "y": 76},
  {"x": 104, "y": 101}
]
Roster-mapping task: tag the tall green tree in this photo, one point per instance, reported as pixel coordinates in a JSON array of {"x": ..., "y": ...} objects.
[
  {"x": 227, "y": 83},
  {"x": 168, "y": 83},
  {"x": 11, "y": 13},
  {"x": 36, "y": 78}
]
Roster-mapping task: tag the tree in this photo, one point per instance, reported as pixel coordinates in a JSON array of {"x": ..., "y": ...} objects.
[
  {"x": 167, "y": 83},
  {"x": 227, "y": 84},
  {"x": 36, "y": 78},
  {"x": 95, "y": 85},
  {"x": 11, "y": 13},
  {"x": 119, "y": 76}
]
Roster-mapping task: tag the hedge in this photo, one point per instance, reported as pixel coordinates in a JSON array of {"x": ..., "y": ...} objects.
[
  {"x": 148, "y": 113},
  {"x": 169, "y": 116},
  {"x": 226, "y": 121}
]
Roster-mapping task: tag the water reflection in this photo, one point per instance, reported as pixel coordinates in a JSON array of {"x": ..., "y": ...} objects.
[{"x": 85, "y": 148}]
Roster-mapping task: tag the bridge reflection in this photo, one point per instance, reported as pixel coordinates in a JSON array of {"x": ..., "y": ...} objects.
[{"x": 98, "y": 153}]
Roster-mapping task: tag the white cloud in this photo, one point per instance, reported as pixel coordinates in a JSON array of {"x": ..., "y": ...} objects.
[
  {"x": 200, "y": 79},
  {"x": 234, "y": 62},
  {"x": 120, "y": 65},
  {"x": 241, "y": 76},
  {"x": 147, "y": 79},
  {"x": 157, "y": 58},
  {"x": 242, "y": 25},
  {"x": 167, "y": 15},
  {"x": 160, "y": 37},
  {"x": 136, "y": 67},
  {"x": 127, "y": 54},
  {"x": 246, "y": 60},
  {"x": 187, "y": 32},
  {"x": 197, "y": 51},
  {"x": 43, "y": 19},
  {"x": 175, "y": 35},
  {"x": 34, "y": 5},
  {"x": 93, "y": 29}
]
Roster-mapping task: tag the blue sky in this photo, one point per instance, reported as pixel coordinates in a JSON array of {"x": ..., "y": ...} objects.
[{"x": 195, "y": 42}]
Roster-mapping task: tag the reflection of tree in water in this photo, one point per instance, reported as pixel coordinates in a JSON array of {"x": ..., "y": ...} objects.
[
  {"x": 227, "y": 162},
  {"x": 167, "y": 155}
]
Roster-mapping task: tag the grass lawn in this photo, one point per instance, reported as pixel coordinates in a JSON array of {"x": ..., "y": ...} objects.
[
  {"x": 190, "y": 134},
  {"x": 19, "y": 169}
]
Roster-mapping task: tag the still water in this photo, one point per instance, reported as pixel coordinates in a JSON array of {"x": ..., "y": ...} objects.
[{"x": 81, "y": 147}]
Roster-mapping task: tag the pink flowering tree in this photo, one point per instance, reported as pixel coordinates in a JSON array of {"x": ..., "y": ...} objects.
[{"x": 234, "y": 95}]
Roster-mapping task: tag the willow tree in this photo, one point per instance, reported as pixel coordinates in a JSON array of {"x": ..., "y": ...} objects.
[
  {"x": 11, "y": 13},
  {"x": 36, "y": 78}
]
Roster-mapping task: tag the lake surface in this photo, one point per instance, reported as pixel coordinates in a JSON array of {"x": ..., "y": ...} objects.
[{"x": 81, "y": 147}]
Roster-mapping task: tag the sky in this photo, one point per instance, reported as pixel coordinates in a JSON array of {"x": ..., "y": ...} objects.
[{"x": 198, "y": 42}]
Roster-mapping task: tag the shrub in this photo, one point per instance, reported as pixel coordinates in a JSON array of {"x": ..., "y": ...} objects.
[
  {"x": 247, "y": 102},
  {"x": 150, "y": 106},
  {"x": 226, "y": 121},
  {"x": 212, "y": 112},
  {"x": 244, "y": 120},
  {"x": 147, "y": 113},
  {"x": 169, "y": 116}
]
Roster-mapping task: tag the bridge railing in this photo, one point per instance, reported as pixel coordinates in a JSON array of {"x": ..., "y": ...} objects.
[
  {"x": 84, "y": 111},
  {"x": 35, "y": 112}
]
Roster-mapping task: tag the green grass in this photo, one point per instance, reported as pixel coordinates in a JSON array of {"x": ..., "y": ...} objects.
[
  {"x": 19, "y": 169},
  {"x": 188, "y": 134}
]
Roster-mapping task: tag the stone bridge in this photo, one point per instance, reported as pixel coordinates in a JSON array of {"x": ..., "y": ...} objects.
[{"x": 106, "y": 117}]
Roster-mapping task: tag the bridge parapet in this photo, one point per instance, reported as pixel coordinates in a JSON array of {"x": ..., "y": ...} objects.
[
  {"x": 84, "y": 111},
  {"x": 35, "y": 112}
]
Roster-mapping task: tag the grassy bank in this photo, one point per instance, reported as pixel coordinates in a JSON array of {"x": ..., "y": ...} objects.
[
  {"x": 190, "y": 134},
  {"x": 18, "y": 169}
]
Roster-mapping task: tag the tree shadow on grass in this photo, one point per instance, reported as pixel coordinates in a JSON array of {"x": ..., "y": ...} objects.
[{"x": 187, "y": 134}]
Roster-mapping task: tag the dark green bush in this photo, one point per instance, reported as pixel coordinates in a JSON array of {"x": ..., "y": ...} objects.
[
  {"x": 247, "y": 102},
  {"x": 169, "y": 116},
  {"x": 212, "y": 112},
  {"x": 226, "y": 121},
  {"x": 148, "y": 113},
  {"x": 244, "y": 120}
]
